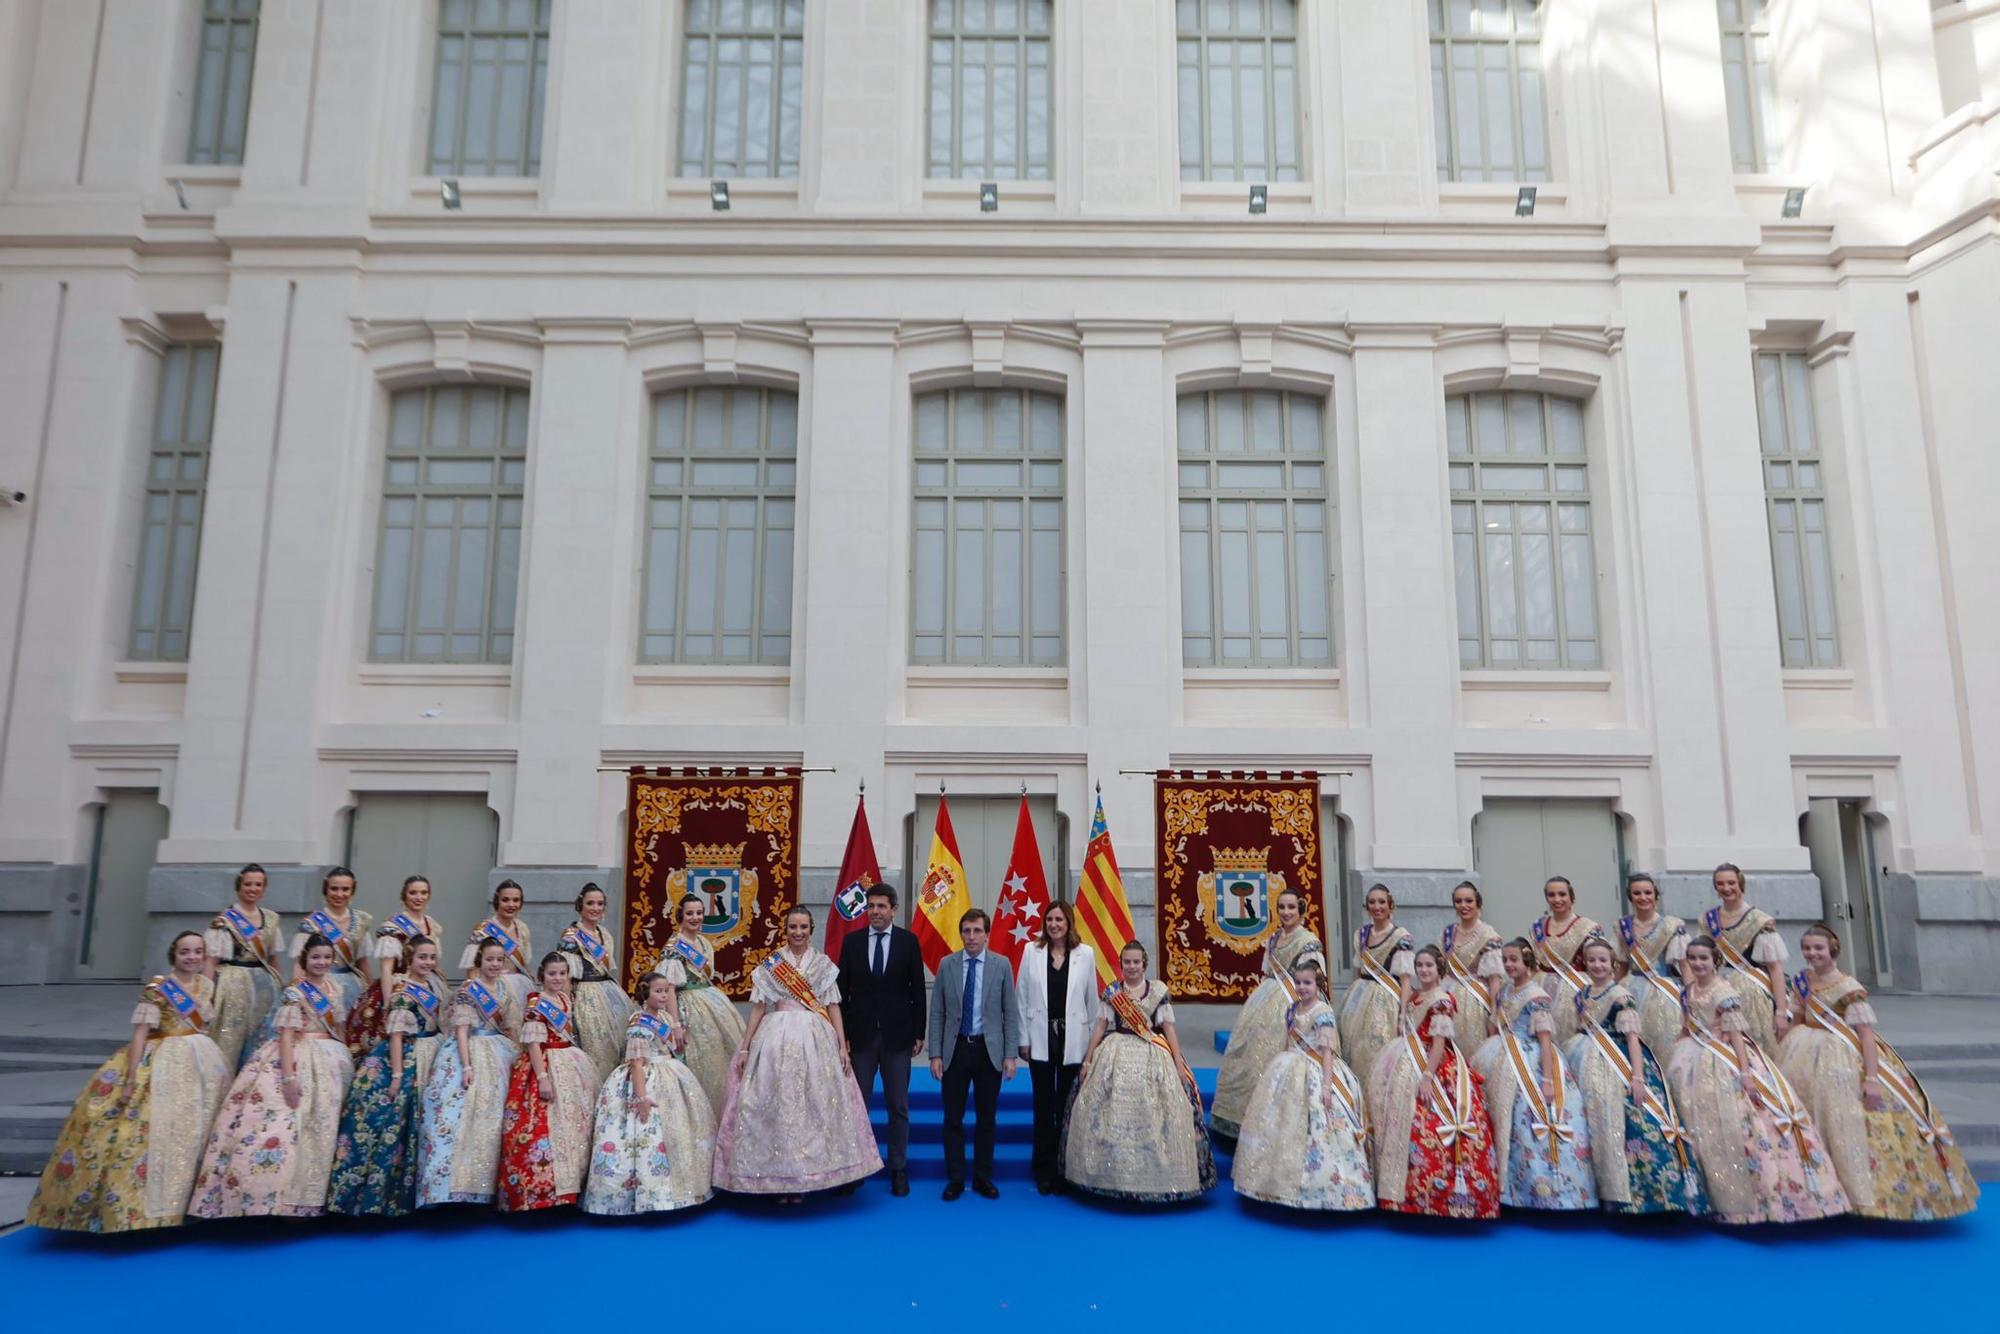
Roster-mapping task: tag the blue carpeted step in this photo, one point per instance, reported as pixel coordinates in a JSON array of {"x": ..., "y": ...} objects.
[{"x": 1222, "y": 1039}]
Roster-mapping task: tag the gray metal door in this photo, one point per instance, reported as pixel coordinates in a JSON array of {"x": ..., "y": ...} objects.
[
  {"x": 130, "y": 826},
  {"x": 1518, "y": 844},
  {"x": 452, "y": 839},
  {"x": 1839, "y": 843}
]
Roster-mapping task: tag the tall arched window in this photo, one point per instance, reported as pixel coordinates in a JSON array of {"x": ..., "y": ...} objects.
[
  {"x": 1521, "y": 531},
  {"x": 720, "y": 498},
  {"x": 449, "y": 554}
]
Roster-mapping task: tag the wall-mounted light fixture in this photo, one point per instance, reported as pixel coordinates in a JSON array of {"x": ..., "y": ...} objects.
[
  {"x": 718, "y": 196},
  {"x": 1524, "y": 202},
  {"x": 1795, "y": 202},
  {"x": 1260, "y": 198},
  {"x": 180, "y": 193},
  {"x": 989, "y": 196},
  {"x": 448, "y": 192}
]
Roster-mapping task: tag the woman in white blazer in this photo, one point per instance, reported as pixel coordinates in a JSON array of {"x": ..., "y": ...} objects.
[{"x": 1055, "y": 1035}]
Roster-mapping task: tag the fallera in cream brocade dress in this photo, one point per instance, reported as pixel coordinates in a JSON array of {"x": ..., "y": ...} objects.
[
  {"x": 714, "y": 1028},
  {"x": 1132, "y": 1131},
  {"x": 1259, "y": 1034},
  {"x": 1294, "y": 1149},
  {"x": 1370, "y": 1013},
  {"x": 458, "y": 1158},
  {"x": 118, "y": 1169},
  {"x": 654, "y": 1163}
]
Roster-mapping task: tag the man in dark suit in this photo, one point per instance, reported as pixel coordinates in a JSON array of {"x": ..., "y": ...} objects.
[
  {"x": 975, "y": 1031},
  {"x": 882, "y": 1004}
]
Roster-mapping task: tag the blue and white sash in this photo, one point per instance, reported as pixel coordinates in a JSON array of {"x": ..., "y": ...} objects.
[
  {"x": 550, "y": 1013},
  {"x": 176, "y": 995}
]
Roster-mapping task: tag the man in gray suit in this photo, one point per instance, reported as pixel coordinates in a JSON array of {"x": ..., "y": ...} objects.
[{"x": 974, "y": 1031}]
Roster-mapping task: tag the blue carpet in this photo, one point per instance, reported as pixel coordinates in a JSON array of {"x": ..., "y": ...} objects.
[{"x": 848, "y": 1262}]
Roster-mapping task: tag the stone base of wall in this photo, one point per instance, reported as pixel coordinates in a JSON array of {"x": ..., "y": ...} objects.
[
  {"x": 41, "y": 920},
  {"x": 1951, "y": 941}
]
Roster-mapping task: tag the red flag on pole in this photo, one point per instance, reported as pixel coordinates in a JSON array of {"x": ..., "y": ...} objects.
[
  {"x": 1025, "y": 892},
  {"x": 859, "y": 871}
]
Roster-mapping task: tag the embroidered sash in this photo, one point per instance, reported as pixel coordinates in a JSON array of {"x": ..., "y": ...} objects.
[
  {"x": 550, "y": 1013},
  {"x": 488, "y": 1004},
  {"x": 419, "y": 992},
  {"x": 1457, "y": 1125},
  {"x": 659, "y": 1027},
  {"x": 401, "y": 925},
  {"x": 1769, "y": 1085},
  {"x": 248, "y": 934},
  {"x": 322, "y": 923},
  {"x": 589, "y": 946},
  {"x": 1734, "y": 957},
  {"x": 792, "y": 980},
  {"x": 184, "y": 1005},
  {"x": 1371, "y": 971},
  {"x": 1135, "y": 1019},
  {"x": 1546, "y": 951},
  {"x": 1462, "y": 975},
  {"x": 1890, "y": 1069},
  {"x": 692, "y": 956},
  {"x": 1547, "y": 1117},
  {"x": 493, "y": 931},
  {"x": 1659, "y": 1106},
  {"x": 1628, "y": 930},
  {"x": 1357, "y": 1112},
  {"x": 321, "y": 1005}
]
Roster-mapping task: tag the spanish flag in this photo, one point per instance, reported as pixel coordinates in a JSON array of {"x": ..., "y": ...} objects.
[
  {"x": 1103, "y": 918},
  {"x": 942, "y": 898}
]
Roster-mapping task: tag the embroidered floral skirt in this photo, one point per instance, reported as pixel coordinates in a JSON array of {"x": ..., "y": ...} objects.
[
  {"x": 375, "y": 1158},
  {"x": 265, "y": 1158},
  {"x": 458, "y": 1136},
  {"x": 1294, "y": 1150},
  {"x": 655, "y": 1163},
  {"x": 545, "y": 1146},
  {"x": 1133, "y": 1132}
]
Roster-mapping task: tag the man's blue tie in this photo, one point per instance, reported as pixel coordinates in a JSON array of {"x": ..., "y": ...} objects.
[{"x": 965, "y": 1003}]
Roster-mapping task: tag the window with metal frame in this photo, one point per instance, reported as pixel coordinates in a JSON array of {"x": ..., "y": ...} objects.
[
  {"x": 1795, "y": 497},
  {"x": 1256, "y": 531},
  {"x": 721, "y": 494},
  {"x": 1747, "y": 82},
  {"x": 742, "y": 83},
  {"x": 492, "y": 72},
  {"x": 1521, "y": 531},
  {"x": 986, "y": 552},
  {"x": 992, "y": 101},
  {"x": 449, "y": 554},
  {"x": 228, "y": 54},
  {"x": 176, "y": 492},
  {"x": 1487, "y": 90},
  {"x": 1236, "y": 76}
]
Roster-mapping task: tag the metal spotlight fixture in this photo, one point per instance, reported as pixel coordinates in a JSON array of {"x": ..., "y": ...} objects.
[
  {"x": 989, "y": 196},
  {"x": 448, "y": 192},
  {"x": 180, "y": 193},
  {"x": 1524, "y": 202},
  {"x": 1795, "y": 202},
  {"x": 718, "y": 196},
  {"x": 1260, "y": 198}
]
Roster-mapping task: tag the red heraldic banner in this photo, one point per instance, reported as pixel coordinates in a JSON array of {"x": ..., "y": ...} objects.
[
  {"x": 859, "y": 873},
  {"x": 730, "y": 837},
  {"x": 1229, "y": 845}
]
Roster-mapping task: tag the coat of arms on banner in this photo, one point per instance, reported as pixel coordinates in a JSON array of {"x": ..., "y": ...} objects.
[
  {"x": 727, "y": 888},
  {"x": 1237, "y": 898}
]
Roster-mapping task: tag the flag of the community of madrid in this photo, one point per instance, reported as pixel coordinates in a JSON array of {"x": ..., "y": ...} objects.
[
  {"x": 1017, "y": 918},
  {"x": 859, "y": 873},
  {"x": 1103, "y": 918},
  {"x": 942, "y": 898}
]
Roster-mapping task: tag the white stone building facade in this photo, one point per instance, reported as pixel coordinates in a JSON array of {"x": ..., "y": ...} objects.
[{"x": 1261, "y": 424}]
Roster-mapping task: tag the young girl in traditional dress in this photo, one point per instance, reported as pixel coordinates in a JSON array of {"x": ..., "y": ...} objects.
[
  {"x": 1433, "y": 1142},
  {"x": 1649, "y": 945},
  {"x": 1472, "y": 971},
  {"x": 375, "y": 1163},
  {"x": 1560, "y": 934},
  {"x": 1638, "y": 1150},
  {"x": 1889, "y": 1143},
  {"x": 244, "y": 942},
  {"x": 1304, "y": 1141},
  {"x": 709, "y": 1029},
  {"x": 551, "y": 1096},
  {"x": 126, "y": 1156},
  {"x": 507, "y": 926},
  {"x": 654, "y": 1144},
  {"x": 271, "y": 1151},
  {"x": 602, "y": 1006},
  {"x": 1134, "y": 1129},
  {"x": 1259, "y": 1034},
  {"x": 1761, "y": 1157},
  {"x": 346, "y": 926},
  {"x": 458, "y": 1158},
  {"x": 1373, "y": 1007},
  {"x": 365, "y": 1026},
  {"x": 1541, "y": 1136},
  {"x": 1752, "y": 956},
  {"x": 792, "y": 1118}
]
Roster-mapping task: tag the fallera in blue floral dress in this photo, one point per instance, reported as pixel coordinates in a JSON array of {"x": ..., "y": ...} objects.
[
  {"x": 375, "y": 1159},
  {"x": 1542, "y": 1145}
]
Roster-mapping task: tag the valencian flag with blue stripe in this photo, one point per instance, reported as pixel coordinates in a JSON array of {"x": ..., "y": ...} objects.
[{"x": 1103, "y": 917}]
